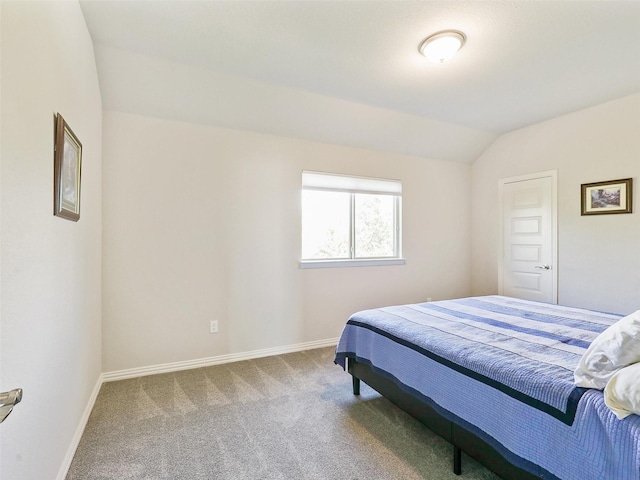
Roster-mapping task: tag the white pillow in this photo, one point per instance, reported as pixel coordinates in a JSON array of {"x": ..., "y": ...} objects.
[
  {"x": 615, "y": 348},
  {"x": 622, "y": 394}
]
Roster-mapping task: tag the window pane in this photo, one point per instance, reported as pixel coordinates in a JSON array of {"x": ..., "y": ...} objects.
[
  {"x": 374, "y": 226},
  {"x": 325, "y": 224}
]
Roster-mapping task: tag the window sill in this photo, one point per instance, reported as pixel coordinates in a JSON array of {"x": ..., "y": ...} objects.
[{"x": 371, "y": 262}]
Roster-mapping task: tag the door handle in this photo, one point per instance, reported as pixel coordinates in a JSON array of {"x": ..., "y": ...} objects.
[
  {"x": 543, "y": 267},
  {"x": 8, "y": 400}
]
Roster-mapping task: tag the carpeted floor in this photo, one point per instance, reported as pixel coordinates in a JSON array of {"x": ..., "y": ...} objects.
[{"x": 283, "y": 417}]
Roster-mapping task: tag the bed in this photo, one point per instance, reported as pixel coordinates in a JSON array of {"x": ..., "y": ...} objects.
[{"x": 494, "y": 376}]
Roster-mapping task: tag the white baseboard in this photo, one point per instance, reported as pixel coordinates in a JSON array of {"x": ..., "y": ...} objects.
[
  {"x": 75, "y": 441},
  {"x": 206, "y": 362}
]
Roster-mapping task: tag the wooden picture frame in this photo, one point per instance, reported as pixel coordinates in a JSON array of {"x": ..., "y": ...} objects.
[
  {"x": 67, "y": 169},
  {"x": 603, "y": 198}
]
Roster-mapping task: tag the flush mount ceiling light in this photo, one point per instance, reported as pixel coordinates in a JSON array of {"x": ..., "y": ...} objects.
[{"x": 442, "y": 46}]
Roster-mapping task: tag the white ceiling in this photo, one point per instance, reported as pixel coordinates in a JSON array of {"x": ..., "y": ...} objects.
[{"x": 523, "y": 62}]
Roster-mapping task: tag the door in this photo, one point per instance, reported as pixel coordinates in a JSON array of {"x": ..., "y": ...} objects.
[{"x": 528, "y": 267}]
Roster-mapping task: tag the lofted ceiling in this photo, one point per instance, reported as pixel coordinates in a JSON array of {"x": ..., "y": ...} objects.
[{"x": 332, "y": 65}]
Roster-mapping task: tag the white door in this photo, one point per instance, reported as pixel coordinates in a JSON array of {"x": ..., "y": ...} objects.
[{"x": 528, "y": 266}]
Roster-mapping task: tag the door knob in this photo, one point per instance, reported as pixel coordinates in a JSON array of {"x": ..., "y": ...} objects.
[
  {"x": 543, "y": 267},
  {"x": 7, "y": 401}
]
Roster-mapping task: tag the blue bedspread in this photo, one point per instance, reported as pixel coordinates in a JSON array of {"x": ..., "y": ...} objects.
[{"x": 500, "y": 366}]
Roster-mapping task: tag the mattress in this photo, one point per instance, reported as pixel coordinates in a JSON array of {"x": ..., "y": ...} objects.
[{"x": 503, "y": 369}]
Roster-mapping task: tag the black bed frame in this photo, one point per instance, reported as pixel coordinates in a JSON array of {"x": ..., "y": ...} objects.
[{"x": 460, "y": 438}]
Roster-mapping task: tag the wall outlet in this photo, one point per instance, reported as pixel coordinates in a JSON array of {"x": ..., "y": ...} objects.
[
  {"x": 213, "y": 326},
  {"x": 428, "y": 299}
]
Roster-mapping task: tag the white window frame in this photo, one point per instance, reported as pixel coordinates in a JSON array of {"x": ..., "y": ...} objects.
[{"x": 353, "y": 185}]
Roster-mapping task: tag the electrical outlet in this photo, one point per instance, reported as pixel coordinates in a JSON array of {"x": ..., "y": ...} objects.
[
  {"x": 428, "y": 299},
  {"x": 213, "y": 326}
]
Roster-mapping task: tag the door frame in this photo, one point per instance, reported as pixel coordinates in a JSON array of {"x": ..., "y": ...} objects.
[{"x": 553, "y": 174}]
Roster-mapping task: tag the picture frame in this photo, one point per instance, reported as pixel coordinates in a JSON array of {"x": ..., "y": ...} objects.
[
  {"x": 610, "y": 197},
  {"x": 67, "y": 171}
]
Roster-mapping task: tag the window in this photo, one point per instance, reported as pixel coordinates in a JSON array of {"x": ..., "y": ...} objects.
[{"x": 350, "y": 220}]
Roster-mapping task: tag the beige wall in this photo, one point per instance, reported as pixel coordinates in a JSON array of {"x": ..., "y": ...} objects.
[
  {"x": 599, "y": 256},
  {"x": 203, "y": 223},
  {"x": 49, "y": 267}
]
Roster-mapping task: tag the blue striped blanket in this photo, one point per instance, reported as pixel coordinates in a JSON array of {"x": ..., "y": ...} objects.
[
  {"x": 527, "y": 350},
  {"x": 471, "y": 358}
]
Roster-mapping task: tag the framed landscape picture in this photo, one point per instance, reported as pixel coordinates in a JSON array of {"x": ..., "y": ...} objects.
[
  {"x": 67, "y": 167},
  {"x": 613, "y": 196}
]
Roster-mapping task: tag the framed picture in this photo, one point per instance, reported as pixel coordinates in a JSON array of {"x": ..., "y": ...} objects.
[
  {"x": 613, "y": 196},
  {"x": 67, "y": 163}
]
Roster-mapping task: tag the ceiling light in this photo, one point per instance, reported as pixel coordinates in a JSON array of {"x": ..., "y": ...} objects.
[{"x": 442, "y": 46}]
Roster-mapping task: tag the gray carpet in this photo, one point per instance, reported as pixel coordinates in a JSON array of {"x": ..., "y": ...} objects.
[{"x": 283, "y": 417}]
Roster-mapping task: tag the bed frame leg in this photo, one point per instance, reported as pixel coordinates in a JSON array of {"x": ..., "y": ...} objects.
[
  {"x": 457, "y": 460},
  {"x": 356, "y": 385},
  {"x": 355, "y": 380}
]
